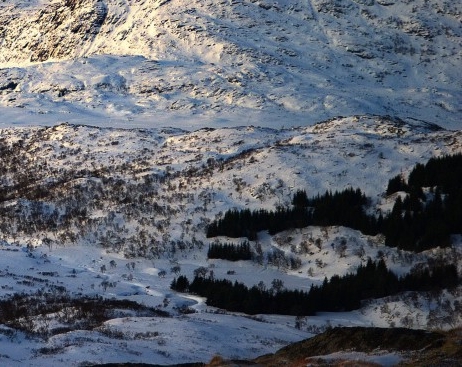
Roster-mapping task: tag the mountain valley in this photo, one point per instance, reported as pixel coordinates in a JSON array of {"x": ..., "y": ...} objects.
[{"x": 132, "y": 130}]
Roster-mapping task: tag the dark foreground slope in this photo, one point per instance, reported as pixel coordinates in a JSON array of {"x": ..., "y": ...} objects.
[{"x": 416, "y": 347}]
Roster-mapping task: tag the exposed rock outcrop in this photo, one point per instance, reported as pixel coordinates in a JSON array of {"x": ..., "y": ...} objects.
[{"x": 55, "y": 31}]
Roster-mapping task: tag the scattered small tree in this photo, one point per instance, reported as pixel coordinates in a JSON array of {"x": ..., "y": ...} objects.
[
  {"x": 200, "y": 272},
  {"x": 277, "y": 285}
]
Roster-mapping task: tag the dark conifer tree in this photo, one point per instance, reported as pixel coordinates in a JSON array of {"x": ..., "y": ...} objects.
[
  {"x": 300, "y": 199},
  {"x": 396, "y": 184}
]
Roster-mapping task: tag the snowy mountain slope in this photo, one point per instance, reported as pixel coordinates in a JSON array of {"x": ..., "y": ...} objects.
[
  {"x": 152, "y": 192},
  {"x": 194, "y": 176},
  {"x": 193, "y": 332},
  {"x": 238, "y": 62},
  {"x": 121, "y": 212}
]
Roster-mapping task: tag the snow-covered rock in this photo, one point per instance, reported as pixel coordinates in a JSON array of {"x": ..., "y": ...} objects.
[{"x": 204, "y": 63}]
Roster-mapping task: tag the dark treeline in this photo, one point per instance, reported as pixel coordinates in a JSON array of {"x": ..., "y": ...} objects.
[
  {"x": 229, "y": 251},
  {"x": 339, "y": 208},
  {"x": 246, "y": 223},
  {"x": 344, "y": 208},
  {"x": 416, "y": 226},
  {"x": 420, "y": 222},
  {"x": 417, "y": 223},
  {"x": 372, "y": 280},
  {"x": 444, "y": 172}
]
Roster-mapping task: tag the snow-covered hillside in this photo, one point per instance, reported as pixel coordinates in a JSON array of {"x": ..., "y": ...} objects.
[
  {"x": 128, "y": 126},
  {"x": 185, "y": 179},
  {"x": 208, "y": 63},
  {"x": 120, "y": 213}
]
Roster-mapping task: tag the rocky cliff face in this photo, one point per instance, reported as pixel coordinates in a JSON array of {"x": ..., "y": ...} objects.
[{"x": 59, "y": 30}]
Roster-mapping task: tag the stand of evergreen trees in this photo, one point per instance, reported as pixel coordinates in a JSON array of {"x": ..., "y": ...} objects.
[
  {"x": 444, "y": 172},
  {"x": 416, "y": 223},
  {"x": 419, "y": 222},
  {"x": 372, "y": 280},
  {"x": 340, "y": 208},
  {"x": 229, "y": 251},
  {"x": 344, "y": 208},
  {"x": 246, "y": 223}
]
